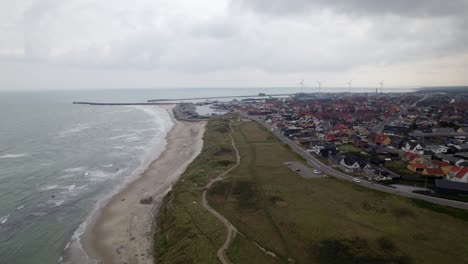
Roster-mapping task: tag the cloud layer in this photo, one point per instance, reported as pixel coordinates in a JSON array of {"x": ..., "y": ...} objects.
[{"x": 264, "y": 40}]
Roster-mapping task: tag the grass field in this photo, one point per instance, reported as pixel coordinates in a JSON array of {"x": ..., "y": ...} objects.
[
  {"x": 299, "y": 220},
  {"x": 349, "y": 148},
  {"x": 326, "y": 220}
]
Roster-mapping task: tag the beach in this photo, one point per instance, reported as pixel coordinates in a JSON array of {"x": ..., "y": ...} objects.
[{"x": 123, "y": 229}]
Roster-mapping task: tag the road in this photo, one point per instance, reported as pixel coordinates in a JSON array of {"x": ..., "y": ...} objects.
[
  {"x": 231, "y": 230},
  {"x": 337, "y": 174}
]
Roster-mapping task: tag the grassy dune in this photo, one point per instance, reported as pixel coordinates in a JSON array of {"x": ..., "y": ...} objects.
[
  {"x": 186, "y": 232},
  {"x": 298, "y": 220}
]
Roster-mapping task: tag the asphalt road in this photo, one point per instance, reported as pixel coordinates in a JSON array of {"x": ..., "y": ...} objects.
[{"x": 337, "y": 174}]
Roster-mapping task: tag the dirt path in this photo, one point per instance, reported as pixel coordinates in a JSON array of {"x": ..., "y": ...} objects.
[{"x": 231, "y": 230}]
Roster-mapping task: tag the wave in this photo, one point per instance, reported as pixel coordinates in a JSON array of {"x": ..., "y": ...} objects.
[
  {"x": 76, "y": 169},
  {"x": 13, "y": 156},
  {"x": 4, "y": 219},
  {"x": 49, "y": 187},
  {"x": 162, "y": 125},
  {"x": 73, "y": 130}
]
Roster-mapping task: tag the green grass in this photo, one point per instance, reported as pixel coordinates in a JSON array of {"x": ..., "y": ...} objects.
[
  {"x": 457, "y": 213},
  {"x": 186, "y": 232},
  {"x": 326, "y": 220},
  {"x": 348, "y": 148},
  {"x": 399, "y": 167},
  {"x": 456, "y": 197}
]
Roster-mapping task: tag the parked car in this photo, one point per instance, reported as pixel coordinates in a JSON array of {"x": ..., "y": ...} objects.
[
  {"x": 317, "y": 172},
  {"x": 356, "y": 180}
]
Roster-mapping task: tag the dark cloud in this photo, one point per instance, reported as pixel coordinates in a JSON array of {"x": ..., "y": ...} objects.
[{"x": 419, "y": 8}]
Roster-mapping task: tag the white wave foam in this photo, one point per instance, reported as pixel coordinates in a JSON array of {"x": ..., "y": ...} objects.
[
  {"x": 66, "y": 176},
  {"x": 72, "y": 170},
  {"x": 100, "y": 175},
  {"x": 118, "y": 147},
  {"x": 39, "y": 213},
  {"x": 4, "y": 219},
  {"x": 123, "y": 136},
  {"x": 20, "y": 207},
  {"x": 49, "y": 187},
  {"x": 13, "y": 156},
  {"x": 70, "y": 187},
  {"x": 163, "y": 124},
  {"x": 131, "y": 139},
  {"x": 56, "y": 202},
  {"x": 73, "y": 130}
]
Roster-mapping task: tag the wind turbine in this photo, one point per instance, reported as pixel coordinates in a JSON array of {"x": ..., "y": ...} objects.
[
  {"x": 381, "y": 86},
  {"x": 349, "y": 86},
  {"x": 301, "y": 83},
  {"x": 319, "y": 83}
]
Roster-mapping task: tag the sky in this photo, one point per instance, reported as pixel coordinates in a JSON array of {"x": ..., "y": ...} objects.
[{"x": 72, "y": 44}]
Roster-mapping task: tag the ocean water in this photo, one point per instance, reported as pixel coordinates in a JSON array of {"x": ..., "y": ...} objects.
[{"x": 58, "y": 160}]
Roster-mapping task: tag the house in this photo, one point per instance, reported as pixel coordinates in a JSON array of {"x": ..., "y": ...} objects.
[
  {"x": 419, "y": 168},
  {"x": 436, "y": 172},
  {"x": 462, "y": 175},
  {"x": 394, "y": 130},
  {"x": 413, "y": 147},
  {"x": 453, "y": 172},
  {"x": 437, "y": 149},
  {"x": 350, "y": 164},
  {"x": 464, "y": 147},
  {"x": 445, "y": 166},
  {"x": 339, "y": 127},
  {"x": 318, "y": 145},
  {"x": 367, "y": 168},
  {"x": 329, "y": 150},
  {"x": 330, "y": 137},
  {"x": 382, "y": 139},
  {"x": 443, "y": 130},
  {"x": 335, "y": 158},
  {"x": 449, "y": 158},
  {"x": 412, "y": 158},
  {"x": 397, "y": 142}
]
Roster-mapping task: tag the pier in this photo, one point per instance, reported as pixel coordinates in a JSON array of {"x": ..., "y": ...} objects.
[
  {"x": 93, "y": 103},
  {"x": 219, "y": 97}
]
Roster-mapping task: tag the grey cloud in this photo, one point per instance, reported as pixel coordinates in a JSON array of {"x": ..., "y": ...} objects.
[{"x": 358, "y": 7}]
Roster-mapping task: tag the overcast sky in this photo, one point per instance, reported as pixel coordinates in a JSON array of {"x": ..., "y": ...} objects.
[{"x": 69, "y": 44}]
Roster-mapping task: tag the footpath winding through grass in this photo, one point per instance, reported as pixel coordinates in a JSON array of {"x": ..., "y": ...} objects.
[
  {"x": 187, "y": 232},
  {"x": 296, "y": 220}
]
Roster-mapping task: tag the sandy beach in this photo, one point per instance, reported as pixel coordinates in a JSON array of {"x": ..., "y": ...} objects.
[{"x": 123, "y": 230}]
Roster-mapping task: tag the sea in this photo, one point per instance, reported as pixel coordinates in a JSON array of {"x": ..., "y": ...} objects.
[{"x": 59, "y": 161}]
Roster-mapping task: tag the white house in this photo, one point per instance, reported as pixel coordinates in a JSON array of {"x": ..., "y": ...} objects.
[
  {"x": 413, "y": 147},
  {"x": 350, "y": 164},
  {"x": 437, "y": 149}
]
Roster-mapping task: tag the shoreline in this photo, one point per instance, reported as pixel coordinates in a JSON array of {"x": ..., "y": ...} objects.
[{"x": 122, "y": 230}]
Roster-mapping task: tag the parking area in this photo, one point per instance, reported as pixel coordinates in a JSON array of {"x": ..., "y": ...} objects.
[{"x": 303, "y": 170}]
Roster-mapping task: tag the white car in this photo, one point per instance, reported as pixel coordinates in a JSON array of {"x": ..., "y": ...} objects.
[
  {"x": 317, "y": 172},
  {"x": 356, "y": 180}
]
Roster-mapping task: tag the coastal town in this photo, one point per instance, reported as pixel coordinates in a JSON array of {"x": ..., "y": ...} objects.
[{"x": 412, "y": 141}]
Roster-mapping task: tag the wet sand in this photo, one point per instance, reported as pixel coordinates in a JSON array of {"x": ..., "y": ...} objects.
[{"x": 123, "y": 230}]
